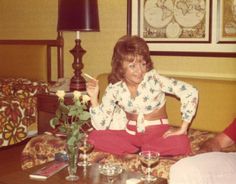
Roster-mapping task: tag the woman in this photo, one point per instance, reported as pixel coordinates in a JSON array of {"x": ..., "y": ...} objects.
[{"x": 132, "y": 115}]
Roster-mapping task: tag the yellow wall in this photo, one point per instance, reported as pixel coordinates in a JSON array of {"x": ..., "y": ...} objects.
[
  {"x": 27, "y": 58},
  {"x": 216, "y": 108},
  {"x": 37, "y": 19}
]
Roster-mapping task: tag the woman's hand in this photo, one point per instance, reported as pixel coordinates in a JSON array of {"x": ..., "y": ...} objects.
[
  {"x": 92, "y": 88},
  {"x": 177, "y": 131}
]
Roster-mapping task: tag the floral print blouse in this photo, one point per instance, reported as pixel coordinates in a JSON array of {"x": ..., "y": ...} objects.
[{"x": 150, "y": 96}]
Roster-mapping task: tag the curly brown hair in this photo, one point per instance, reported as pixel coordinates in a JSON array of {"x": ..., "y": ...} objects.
[{"x": 128, "y": 48}]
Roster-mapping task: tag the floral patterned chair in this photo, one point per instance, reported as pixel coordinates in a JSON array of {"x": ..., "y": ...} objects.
[{"x": 18, "y": 109}]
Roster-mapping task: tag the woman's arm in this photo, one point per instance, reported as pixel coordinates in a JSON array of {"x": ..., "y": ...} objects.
[
  {"x": 101, "y": 114},
  {"x": 92, "y": 88},
  {"x": 188, "y": 96}
]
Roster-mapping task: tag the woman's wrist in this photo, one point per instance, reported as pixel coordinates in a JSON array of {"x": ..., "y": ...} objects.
[
  {"x": 184, "y": 126},
  {"x": 94, "y": 102}
]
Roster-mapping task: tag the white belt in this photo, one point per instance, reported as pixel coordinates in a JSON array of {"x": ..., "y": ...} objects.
[
  {"x": 130, "y": 131},
  {"x": 147, "y": 123},
  {"x": 156, "y": 122}
]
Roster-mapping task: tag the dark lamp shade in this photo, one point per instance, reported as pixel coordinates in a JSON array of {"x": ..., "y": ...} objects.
[{"x": 78, "y": 15}]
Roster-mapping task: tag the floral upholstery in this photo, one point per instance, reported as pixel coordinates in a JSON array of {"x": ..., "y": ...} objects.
[
  {"x": 43, "y": 148},
  {"x": 6, "y": 87},
  {"x": 18, "y": 108}
]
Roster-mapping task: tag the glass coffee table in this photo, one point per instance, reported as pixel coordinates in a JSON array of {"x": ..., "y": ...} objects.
[{"x": 90, "y": 175}]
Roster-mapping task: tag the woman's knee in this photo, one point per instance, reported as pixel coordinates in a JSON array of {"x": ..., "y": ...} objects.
[{"x": 183, "y": 144}]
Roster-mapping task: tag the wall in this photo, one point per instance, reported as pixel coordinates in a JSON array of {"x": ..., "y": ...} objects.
[
  {"x": 27, "y": 58},
  {"x": 216, "y": 108},
  {"x": 37, "y": 19}
]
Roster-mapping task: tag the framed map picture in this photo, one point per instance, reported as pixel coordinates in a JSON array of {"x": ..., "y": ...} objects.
[
  {"x": 185, "y": 27},
  {"x": 227, "y": 21},
  {"x": 174, "y": 20}
]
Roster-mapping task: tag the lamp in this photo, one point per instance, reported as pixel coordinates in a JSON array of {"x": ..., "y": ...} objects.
[{"x": 78, "y": 15}]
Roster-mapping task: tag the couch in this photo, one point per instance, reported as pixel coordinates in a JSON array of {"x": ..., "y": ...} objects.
[
  {"x": 214, "y": 114},
  {"x": 18, "y": 111}
]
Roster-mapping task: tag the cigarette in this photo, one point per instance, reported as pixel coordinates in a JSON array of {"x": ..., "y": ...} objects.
[{"x": 89, "y": 76}]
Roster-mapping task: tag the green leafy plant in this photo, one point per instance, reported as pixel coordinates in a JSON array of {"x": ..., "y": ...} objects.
[{"x": 69, "y": 119}]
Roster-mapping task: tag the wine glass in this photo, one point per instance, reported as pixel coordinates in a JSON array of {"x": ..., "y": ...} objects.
[
  {"x": 149, "y": 159},
  {"x": 85, "y": 148}
]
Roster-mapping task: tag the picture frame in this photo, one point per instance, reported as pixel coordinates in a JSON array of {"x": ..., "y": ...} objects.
[
  {"x": 174, "y": 21},
  {"x": 205, "y": 46},
  {"x": 227, "y": 21}
]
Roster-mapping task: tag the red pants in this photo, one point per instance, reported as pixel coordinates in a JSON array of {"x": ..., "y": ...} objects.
[{"x": 120, "y": 142}]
